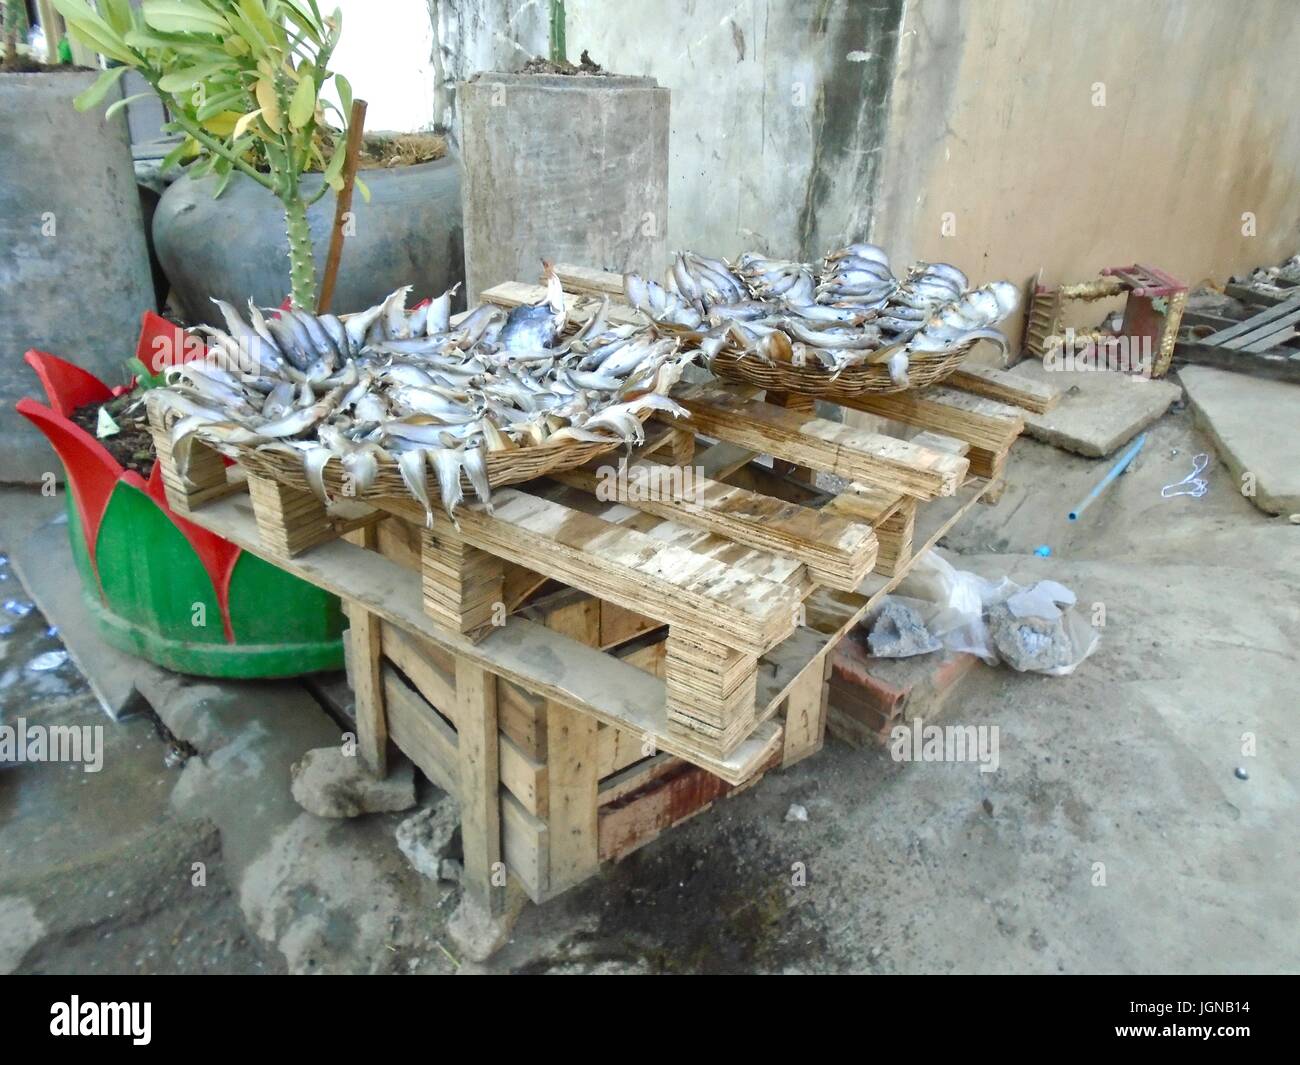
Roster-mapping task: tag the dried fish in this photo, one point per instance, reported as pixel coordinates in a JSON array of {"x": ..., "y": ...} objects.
[{"x": 408, "y": 386}]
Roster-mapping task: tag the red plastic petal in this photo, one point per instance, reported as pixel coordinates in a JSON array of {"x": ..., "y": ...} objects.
[
  {"x": 68, "y": 386},
  {"x": 92, "y": 471},
  {"x": 163, "y": 343}
]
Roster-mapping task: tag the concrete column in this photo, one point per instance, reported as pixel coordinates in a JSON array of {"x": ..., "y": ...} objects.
[{"x": 569, "y": 168}]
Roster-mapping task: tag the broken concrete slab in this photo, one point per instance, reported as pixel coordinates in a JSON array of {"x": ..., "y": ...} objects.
[
  {"x": 1251, "y": 423},
  {"x": 330, "y": 782},
  {"x": 1100, "y": 410},
  {"x": 899, "y": 632},
  {"x": 428, "y": 839}
]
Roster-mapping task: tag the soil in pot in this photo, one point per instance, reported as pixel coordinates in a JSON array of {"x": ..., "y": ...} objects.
[
  {"x": 586, "y": 65},
  {"x": 133, "y": 446}
]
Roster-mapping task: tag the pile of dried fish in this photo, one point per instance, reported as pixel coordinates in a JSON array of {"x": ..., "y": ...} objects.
[
  {"x": 407, "y": 386},
  {"x": 849, "y": 311}
]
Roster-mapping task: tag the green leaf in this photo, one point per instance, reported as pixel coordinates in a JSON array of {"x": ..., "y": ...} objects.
[
  {"x": 98, "y": 36},
  {"x": 178, "y": 16},
  {"x": 254, "y": 13},
  {"x": 86, "y": 100},
  {"x": 303, "y": 20},
  {"x": 118, "y": 14},
  {"x": 362, "y": 188},
  {"x": 303, "y": 105},
  {"x": 224, "y": 168},
  {"x": 334, "y": 171},
  {"x": 221, "y": 102},
  {"x": 344, "y": 88},
  {"x": 174, "y": 156},
  {"x": 182, "y": 80},
  {"x": 115, "y": 107}
]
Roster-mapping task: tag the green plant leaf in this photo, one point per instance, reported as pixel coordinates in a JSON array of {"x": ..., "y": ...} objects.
[
  {"x": 226, "y": 101},
  {"x": 362, "y": 188},
  {"x": 344, "y": 89},
  {"x": 178, "y": 16},
  {"x": 115, "y": 107},
  {"x": 333, "y": 172},
  {"x": 174, "y": 156},
  {"x": 303, "y": 104},
  {"x": 254, "y": 13},
  {"x": 118, "y": 14},
  {"x": 304, "y": 21},
  {"x": 94, "y": 32},
  {"x": 181, "y": 80},
  {"x": 84, "y": 101}
]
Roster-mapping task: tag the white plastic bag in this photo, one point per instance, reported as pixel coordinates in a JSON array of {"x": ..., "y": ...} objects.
[{"x": 1032, "y": 629}]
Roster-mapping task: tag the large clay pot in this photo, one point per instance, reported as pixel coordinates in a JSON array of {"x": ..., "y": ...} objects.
[
  {"x": 159, "y": 586},
  {"x": 235, "y": 246},
  {"x": 74, "y": 269}
]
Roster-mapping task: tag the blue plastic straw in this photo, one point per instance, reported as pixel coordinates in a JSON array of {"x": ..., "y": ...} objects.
[{"x": 1115, "y": 471}]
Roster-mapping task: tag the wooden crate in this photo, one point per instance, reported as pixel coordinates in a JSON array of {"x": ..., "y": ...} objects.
[{"x": 584, "y": 673}]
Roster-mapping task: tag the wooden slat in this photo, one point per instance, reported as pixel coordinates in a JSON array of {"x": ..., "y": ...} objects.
[
  {"x": 1253, "y": 323},
  {"x": 572, "y": 765},
  {"x": 521, "y": 651},
  {"x": 805, "y": 715},
  {"x": 480, "y": 783},
  {"x": 740, "y": 607},
  {"x": 1011, "y": 388},
  {"x": 364, "y": 674},
  {"x": 1268, "y": 336},
  {"x": 823, "y": 445},
  {"x": 424, "y": 666},
  {"x": 836, "y": 550},
  {"x": 422, "y": 736},
  {"x": 585, "y": 279}
]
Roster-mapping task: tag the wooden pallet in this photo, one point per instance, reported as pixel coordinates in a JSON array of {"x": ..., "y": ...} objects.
[
  {"x": 583, "y": 673},
  {"x": 1265, "y": 343}
]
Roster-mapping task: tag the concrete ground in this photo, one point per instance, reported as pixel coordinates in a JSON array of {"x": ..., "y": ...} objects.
[{"x": 1114, "y": 836}]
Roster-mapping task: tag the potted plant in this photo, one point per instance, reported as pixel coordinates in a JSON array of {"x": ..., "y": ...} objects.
[
  {"x": 248, "y": 86},
  {"x": 523, "y": 137},
  {"x": 155, "y": 584},
  {"x": 74, "y": 272}
]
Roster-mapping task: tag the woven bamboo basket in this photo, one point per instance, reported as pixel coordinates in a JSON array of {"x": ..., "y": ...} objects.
[
  {"x": 923, "y": 369},
  {"x": 503, "y": 467}
]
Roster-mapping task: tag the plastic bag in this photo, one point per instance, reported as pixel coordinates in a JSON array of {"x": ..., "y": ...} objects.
[{"x": 1034, "y": 629}]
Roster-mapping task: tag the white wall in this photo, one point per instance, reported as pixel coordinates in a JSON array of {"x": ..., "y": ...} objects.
[{"x": 386, "y": 52}]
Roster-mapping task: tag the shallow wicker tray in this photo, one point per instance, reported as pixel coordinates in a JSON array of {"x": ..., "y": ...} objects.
[
  {"x": 923, "y": 369},
  {"x": 503, "y": 467}
]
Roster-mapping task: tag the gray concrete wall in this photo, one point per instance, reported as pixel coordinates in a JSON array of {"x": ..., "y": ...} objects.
[{"x": 778, "y": 110}]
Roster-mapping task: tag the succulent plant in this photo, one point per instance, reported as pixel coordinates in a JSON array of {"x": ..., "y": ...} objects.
[{"x": 242, "y": 80}]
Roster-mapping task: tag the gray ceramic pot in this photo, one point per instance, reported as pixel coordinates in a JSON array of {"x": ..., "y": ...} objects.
[
  {"x": 235, "y": 246},
  {"x": 74, "y": 268}
]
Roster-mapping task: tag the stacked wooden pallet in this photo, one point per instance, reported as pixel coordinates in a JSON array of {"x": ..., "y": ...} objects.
[{"x": 584, "y": 672}]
